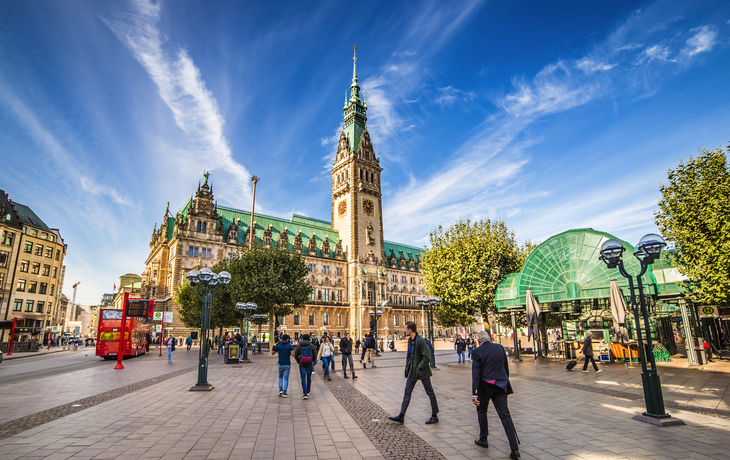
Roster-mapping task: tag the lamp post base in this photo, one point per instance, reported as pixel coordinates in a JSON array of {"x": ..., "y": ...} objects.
[
  {"x": 203, "y": 387},
  {"x": 658, "y": 421}
]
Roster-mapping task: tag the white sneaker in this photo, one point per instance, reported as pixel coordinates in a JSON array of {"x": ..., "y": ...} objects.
[
  {"x": 599, "y": 370},
  {"x": 281, "y": 392},
  {"x": 585, "y": 371},
  {"x": 304, "y": 397},
  {"x": 284, "y": 395}
]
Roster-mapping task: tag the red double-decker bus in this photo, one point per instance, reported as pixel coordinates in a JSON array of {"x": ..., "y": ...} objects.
[{"x": 136, "y": 334}]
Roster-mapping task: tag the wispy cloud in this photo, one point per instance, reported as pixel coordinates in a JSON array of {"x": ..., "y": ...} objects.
[
  {"x": 703, "y": 40},
  {"x": 446, "y": 97},
  {"x": 182, "y": 88},
  {"x": 487, "y": 175}
]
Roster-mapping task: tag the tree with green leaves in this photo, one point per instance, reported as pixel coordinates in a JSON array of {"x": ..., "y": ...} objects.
[
  {"x": 694, "y": 215},
  {"x": 274, "y": 279},
  {"x": 223, "y": 311},
  {"x": 465, "y": 264}
]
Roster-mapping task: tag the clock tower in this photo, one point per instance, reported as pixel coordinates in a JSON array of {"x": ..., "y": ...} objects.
[{"x": 357, "y": 212}]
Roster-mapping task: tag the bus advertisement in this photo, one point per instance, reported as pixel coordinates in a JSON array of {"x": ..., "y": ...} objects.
[{"x": 136, "y": 334}]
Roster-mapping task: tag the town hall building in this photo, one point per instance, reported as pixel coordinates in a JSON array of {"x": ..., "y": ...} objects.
[{"x": 352, "y": 268}]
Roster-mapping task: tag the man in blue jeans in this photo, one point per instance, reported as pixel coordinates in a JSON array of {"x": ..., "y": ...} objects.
[
  {"x": 305, "y": 355},
  {"x": 284, "y": 349}
]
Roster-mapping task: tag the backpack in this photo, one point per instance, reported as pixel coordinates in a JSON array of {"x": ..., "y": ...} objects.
[
  {"x": 430, "y": 346},
  {"x": 306, "y": 356}
]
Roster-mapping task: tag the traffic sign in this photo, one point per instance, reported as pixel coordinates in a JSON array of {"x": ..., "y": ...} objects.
[
  {"x": 168, "y": 317},
  {"x": 709, "y": 310},
  {"x": 157, "y": 316}
]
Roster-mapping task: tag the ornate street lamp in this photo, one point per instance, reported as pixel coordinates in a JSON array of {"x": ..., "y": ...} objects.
[
  {"x": 207, "y": 284},
  {"x": 648, "y": 250},
  {"x": 375, "y": 316},
  {"x": 247, "y": 309},
  {"x": 428, "y": 304}
]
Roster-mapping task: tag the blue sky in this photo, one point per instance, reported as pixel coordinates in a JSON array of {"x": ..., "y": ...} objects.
[{"x": 550, "y": 115}]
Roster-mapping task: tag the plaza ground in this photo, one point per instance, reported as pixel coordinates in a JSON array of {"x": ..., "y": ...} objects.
[{"x": 146, "y": 411}]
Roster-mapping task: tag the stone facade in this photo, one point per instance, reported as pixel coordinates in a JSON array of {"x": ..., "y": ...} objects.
[
  {"x": 353, "y": 269},
  {"x": 31, "y": 271}
]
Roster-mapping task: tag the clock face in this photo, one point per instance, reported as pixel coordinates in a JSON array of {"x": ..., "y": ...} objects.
[
  {"x": 342, "y": 207},
  {"x": 368, "y": 206}
]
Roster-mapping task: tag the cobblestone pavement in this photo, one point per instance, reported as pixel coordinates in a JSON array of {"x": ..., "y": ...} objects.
[
  {"x": 243, "y": 418},
  {"x": 19, "y": 425},
  {"x": 394, "y": 441},
  {"x": 60, "y": 379}
]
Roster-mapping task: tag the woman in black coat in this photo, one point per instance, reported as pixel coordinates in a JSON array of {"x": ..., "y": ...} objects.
[{"x": 587, "y": 351}]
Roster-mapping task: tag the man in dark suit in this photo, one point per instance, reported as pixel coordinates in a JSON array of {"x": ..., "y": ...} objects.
[{"x": 490, "y": 381}]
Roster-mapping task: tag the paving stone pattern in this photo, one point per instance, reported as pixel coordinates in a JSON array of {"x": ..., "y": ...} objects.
[
  {"x": 394, "y": 441},
  {"x": 626, "y": 395},
  {"x": 19, "y": 425}
]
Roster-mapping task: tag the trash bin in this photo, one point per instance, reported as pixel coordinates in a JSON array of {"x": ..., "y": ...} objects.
[{"x": 232, "y": 353}]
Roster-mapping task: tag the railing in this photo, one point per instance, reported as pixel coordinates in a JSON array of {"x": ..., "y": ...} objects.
[{"x": 31, "y": 345}]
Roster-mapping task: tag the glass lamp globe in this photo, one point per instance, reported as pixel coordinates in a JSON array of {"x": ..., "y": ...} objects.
[
  {"x": 224, "y": 278},
  {"x": 205, "y": 274},
  {"x": 652, "y": 245},
  {"x": 192, "y": 276},
  {"x": 213, "y": 281}
]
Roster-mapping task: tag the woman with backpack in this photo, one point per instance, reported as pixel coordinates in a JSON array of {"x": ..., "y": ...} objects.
[
  {"x": 327, "y": 355},
  {"x": 305, "y": 356}
]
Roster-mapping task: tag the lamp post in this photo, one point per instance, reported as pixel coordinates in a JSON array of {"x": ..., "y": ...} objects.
[
  {"x": 261, "y": 318},
  {"x": 428, "y": 305},
  {"x": 207, "y": 284},
  {"x": 648, "y": 250},
  {"x": 247, "y": 308},
  {"x": 375, "y": 316}
]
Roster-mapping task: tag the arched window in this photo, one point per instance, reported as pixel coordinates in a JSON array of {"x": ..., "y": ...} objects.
[
  {"x": 200, "y": 225},
  {"x": 297, "y": 319},
  {"x": 311, "y": 319},
  {"x": 395, "y": 320},
  {"x": 339, "y": 319},
  {"x": 205, "y": 226},
  {"x": 325, "y": 319}
]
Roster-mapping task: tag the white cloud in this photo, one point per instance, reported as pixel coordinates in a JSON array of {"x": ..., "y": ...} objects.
[
  {"x": 181, "y": 87},
  {"x": 657, "y": 52},
  {"x": 703, "y": 40},
  {"x": 445, "y": 97},
  {"x": 588, "y": 65}
]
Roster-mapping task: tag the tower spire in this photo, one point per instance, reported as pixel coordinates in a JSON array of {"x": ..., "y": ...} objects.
[{"x": 355, "y": 110}]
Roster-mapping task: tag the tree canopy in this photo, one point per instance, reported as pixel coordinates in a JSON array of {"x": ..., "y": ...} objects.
[
  {"x": 694, "y": 215},
  {"x": 465, "y": 264},
  {"x": 273, "y": 279}
]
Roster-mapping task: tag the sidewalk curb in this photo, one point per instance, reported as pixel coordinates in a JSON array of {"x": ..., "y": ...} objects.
[{"x": 33, "y": 355}]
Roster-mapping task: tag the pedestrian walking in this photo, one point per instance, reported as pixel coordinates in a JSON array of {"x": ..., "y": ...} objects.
[
  {"x": 327, "y": 355},
  {"x": 418, "y": 367},
  {"x": 587, "y": 351},
  {"x": 380, "y": 344},
  {"x": 460, "y": 347},
  {"x": 490, "y": 381},
  {"x": 346, "y": 350},
  {"x": 171, "y": 342},
  {"x": 254, "y": 342},
  {"x": 189, "y": 342},
  {"x": 284, "y": 350},
  {"x": 469, "y": 346},
  {"x": 357, "y": 346},
  {"x": 369, "y": 348},
  {"x": 305, "y": 356}
]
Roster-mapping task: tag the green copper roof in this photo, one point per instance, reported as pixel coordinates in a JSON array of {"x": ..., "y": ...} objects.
[
  {"x": 306, "y": 225},
  {"x": 565, "y": 268},
  {"x": 355, "y": 112},
  {"x": 397, "y": 249},
  {"x": 29, "y": 218}
]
